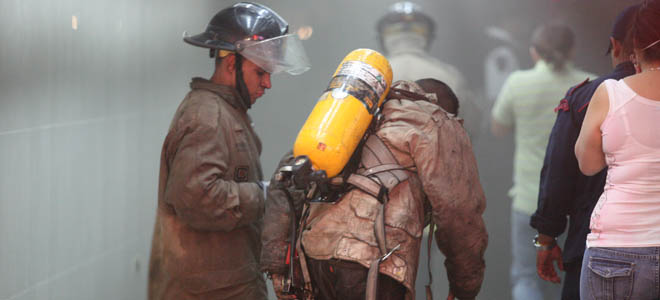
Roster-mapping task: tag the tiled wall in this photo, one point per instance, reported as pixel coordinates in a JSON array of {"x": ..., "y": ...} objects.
[{"x": 83, "y": 112}]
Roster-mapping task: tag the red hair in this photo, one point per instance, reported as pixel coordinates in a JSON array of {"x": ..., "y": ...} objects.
[{"x": 645, "y": 31}]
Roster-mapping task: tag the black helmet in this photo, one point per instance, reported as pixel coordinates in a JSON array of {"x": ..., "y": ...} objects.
[
  {"x": 242, "y": 21},
  {"x": 256, "y": 32},
  {"x": 405, "y": 17}
]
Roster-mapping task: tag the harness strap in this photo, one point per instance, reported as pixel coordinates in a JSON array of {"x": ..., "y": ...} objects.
[
  {"x": 381, "y": 152},
  {"x": 379, "y": 222},
  {"x": 308, "y": 291},
  {"x": 365, "y": 184},
  {"x": 429, "y": 292},
  {"x": 371, "y": 290},
  {"x": 379, "y": 162},
  {"x": 379, "y": 172},
  {"x": 396, "y": 93},
  {"x": 382, "y": 168}
]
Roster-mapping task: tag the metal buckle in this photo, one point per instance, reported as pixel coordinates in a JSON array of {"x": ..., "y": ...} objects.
[
  {"x": 387, "y": 255},
  {"x": 286, "y": 285}
]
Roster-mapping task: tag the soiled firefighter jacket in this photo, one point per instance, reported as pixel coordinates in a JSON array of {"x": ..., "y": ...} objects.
[
  {"x": 210, "y": 206},
  {"x": 445, "y": 184}
]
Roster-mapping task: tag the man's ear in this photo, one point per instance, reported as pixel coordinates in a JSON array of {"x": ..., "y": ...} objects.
[{"x": 229, "y": 63}]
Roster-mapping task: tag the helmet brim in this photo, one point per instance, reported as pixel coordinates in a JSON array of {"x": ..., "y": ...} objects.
[{"x": 207, "y": 40}]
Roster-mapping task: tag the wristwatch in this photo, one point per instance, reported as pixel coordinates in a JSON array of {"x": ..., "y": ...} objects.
[{"x": 543, "y": 247}]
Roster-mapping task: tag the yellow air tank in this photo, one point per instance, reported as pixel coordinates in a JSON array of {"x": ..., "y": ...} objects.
[{"x": 344, "y": 111}]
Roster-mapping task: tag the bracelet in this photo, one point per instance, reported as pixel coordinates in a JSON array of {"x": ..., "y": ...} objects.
[{"x": 543, "y": 247}]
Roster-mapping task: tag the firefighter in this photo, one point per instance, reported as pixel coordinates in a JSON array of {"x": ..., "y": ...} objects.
[
  {"x": 426, "y": 172},
  {"x": 406, "y": 33},
  {"x": 210, "y": 198}
]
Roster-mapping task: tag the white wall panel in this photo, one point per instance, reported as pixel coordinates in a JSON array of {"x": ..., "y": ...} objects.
[{"x": 14, "y": 214}]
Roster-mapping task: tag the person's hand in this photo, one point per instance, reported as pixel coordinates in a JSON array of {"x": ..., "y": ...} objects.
[
  {"x": 545, "y": 264},
  {"x": 450, "y": 296},
  {"x": 278, "y": 287}
]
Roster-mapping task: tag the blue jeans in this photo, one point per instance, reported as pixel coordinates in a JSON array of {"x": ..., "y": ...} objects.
[
  {"x": 620, "y": 273},
  {"x": 525, "y": 283}
]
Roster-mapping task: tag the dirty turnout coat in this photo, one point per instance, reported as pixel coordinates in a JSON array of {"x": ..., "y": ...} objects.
[{"x": 206, "y": 242}]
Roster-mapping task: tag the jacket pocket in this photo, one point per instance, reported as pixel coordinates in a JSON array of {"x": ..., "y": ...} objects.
[
  {"x": 610, "y": 278},
  {"x": 242, "y": 154}
]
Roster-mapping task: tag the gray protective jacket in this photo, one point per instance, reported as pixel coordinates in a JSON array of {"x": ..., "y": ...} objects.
[
  {"x": 445, "y": 184},
  {"x": 207, "y": 235}
]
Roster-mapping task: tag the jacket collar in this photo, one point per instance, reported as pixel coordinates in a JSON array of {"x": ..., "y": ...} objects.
[
  {"x": 227, "y": 93},
  {"x": 626, "y": 68}
]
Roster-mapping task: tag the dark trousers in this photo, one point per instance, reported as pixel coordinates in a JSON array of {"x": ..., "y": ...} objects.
[
  {"x": 338, "y": 279},
  {"x": 571, "y": 288}
]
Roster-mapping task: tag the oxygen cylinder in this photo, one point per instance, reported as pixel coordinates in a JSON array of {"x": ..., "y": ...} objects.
[{"x": 344, "y": 111}]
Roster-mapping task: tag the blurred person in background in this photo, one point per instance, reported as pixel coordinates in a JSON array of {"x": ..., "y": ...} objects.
[
  {"x": 500, "y": 62},
  {"x": 406, "y": 34},
  {"x": 621, "y": 130},
  {"x": 565, "y": 193},
  {"x": 210, "y": 198},
  {"x": 525, "y": 105}
]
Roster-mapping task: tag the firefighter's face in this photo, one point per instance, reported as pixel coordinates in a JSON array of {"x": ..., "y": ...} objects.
[{"x": 256, "y": 80}]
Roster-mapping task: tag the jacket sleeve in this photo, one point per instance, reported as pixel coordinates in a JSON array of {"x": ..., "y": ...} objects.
[
  {"x": 448, "y": 171},
  {"x": 275, "y": 237},
  {"x": 197, "y": 155},
  {"x": 558, "y": 177}
]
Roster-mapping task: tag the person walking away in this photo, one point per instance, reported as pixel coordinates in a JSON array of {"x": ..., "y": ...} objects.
[{"x": 621, "y": 131}]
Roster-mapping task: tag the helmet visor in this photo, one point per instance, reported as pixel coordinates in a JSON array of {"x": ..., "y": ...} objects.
[{"x": 279, "y": 54}]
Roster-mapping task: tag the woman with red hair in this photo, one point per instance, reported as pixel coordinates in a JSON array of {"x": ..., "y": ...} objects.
[{"x": 621, "y": 130}]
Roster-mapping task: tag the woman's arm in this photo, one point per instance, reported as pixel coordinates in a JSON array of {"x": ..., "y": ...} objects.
[{"x": 589, "y": 146}]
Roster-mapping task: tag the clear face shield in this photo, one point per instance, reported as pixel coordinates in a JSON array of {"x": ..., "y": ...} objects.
[
  {"x": 279, "y": 54},
  {"x": 405, "y": 35}
]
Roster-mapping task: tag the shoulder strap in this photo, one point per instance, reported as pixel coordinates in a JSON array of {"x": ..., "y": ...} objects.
[
  {"x": 396, "y": 93},
  {"x": 380, "y": 164}
]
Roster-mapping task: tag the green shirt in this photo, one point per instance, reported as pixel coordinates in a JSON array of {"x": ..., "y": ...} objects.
[{"x": 526, "y": 103}]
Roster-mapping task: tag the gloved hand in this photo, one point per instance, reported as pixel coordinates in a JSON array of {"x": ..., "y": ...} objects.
[
  {"x": 300, "y": 181},
  {"x": 278, "y": 287}
]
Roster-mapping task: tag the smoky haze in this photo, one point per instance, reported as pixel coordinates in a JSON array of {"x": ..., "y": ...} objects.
[{"x": 89, "y": 88}]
